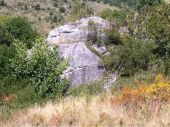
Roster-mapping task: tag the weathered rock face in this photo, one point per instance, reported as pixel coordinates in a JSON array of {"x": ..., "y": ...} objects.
[
  {"x": 85, "y": 66},
  {"x": 75, "y": 32}
]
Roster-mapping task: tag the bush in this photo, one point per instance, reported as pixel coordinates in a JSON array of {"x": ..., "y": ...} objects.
[
  {"x": 5, "y": 36},
  {"x": 37, "y": 7},
  {"x": 13, "y": 30},
  {"x": 159, "y": 91},
  {"x": 131, "y": 55},
  {"x": 55, "y": 4},
  {"x": 21, "y": 29},
  {"x": 17, "y": 28},
  {"x": 62, "y": 10},
  {"x": 155, "y": 28},
  {"x": 113, "y": 37},
  {"x": 42, "y": 67},
  {"x": 6, "y": 53},
  {"x": 143, "y": 3}
]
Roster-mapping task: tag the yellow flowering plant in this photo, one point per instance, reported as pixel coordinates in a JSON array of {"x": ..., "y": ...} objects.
[{"x": 157, "y": 91}]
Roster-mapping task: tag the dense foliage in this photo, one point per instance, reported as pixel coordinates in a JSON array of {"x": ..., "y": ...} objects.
[
  {"x": 13, "y": 29},
  {"x": 152, "y": 24},
  {"x": 146, "y": 42},
  {"x": 130, "y": 56},
  {"x": 143, "y": 3},
  {"x": 42, "y": 67},
  {"x": 29, "y": 70},
  {"x": 16, "y": 28}
]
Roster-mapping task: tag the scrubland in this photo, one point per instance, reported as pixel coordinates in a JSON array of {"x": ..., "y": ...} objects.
[{"x": 32, "y": 92}]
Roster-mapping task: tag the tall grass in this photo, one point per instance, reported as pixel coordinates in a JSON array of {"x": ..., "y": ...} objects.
[
  {"x": 106, "y": 110},
  {"x": 99, "y": 111}
]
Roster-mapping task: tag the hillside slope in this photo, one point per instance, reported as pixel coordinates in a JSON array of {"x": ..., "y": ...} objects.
[
  {"x": 99, "y": 7},
  {"x": 43, "y": 15}
]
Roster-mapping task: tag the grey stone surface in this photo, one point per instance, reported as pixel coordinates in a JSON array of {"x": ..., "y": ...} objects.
[
  {"x": 84, "y": 67},
  {"x": 75, "y": 31}
]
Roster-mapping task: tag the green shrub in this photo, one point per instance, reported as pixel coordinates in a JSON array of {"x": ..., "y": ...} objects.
[
  {"x": 55, "y": 4},
  {"x": 131, "y": 56},
  {"x": 113, "y": 37},
  {"x": 62, "y": 9},
  {"x": 17, "y": 28},
  {"x": 42, "y": 67},
  {"x": 155, "y": 28},
  {"x": 6, "y": 53},
  {"x": 143, "y": 3},
  {"x": 37, "y": 7},
  {"x": 21, "y": 30},
  {"x": 13, "y": 29},
  {"x": 5, "y": 36}
]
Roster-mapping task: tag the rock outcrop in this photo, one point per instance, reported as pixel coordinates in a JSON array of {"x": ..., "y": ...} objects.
[
  {"x": 75, "y": 32},
  {"x": 84, "y": 65}
]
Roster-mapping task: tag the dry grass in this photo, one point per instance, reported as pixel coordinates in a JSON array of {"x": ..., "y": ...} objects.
[
  {"x": 131, "y": 108},
  {"x": 99, "y": 111},
  {"x": 99, "y": 7},
  {"x": 168, "y": 1}
]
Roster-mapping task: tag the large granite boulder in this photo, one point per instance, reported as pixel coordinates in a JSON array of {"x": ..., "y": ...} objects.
[
  {"x": 75, "y": 31},
  {"x": 84, "y": 67}
]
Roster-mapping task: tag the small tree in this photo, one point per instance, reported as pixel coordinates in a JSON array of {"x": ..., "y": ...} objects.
[
  {"x": 16, "y": 28},
  {"x": 42, "y": 67},
  {"x": 151, "y": 24},
  {"x": 113, "y": 37},
  {"x": 13, "y": 29}
]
